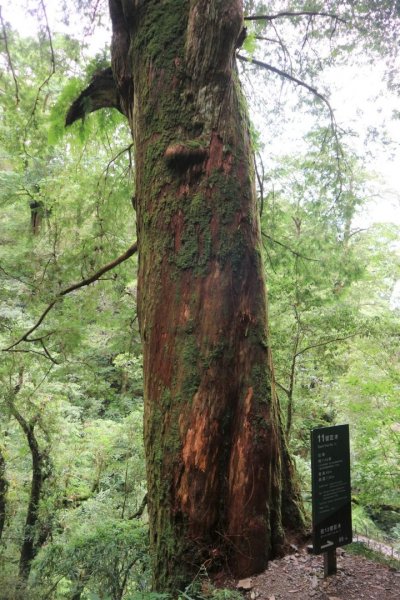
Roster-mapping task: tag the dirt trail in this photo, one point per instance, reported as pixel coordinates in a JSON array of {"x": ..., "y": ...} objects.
[{"x": 300, "y": 576}]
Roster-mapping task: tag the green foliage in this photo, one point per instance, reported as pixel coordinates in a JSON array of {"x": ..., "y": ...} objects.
[
  {"x": 250, "y": 43},
  {"x": 82, "y": 385},
  {"x": 57, "y": 116},
  {"x": 202, "y": 588},
  {"x": 334, "y": 330},
  {"x": 98, "y": 556}
]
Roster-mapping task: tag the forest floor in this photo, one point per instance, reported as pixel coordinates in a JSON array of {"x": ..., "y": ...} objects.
[{"x": 300, "y": 576}]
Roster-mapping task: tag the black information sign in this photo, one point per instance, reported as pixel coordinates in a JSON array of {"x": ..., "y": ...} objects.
[{"x": 331, "y": 491}]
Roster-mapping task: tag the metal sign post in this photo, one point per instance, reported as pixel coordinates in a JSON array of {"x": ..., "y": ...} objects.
[{"x": 331, "y": 492}]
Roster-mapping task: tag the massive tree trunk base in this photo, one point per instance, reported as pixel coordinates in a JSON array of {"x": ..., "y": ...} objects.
[{"x": 220, "y": 480}]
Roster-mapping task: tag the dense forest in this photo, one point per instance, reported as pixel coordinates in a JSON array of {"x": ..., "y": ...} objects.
[{"x": 143, "y": 213}]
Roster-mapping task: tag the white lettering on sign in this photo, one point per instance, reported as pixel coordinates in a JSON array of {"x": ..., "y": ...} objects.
[{"x": 327, "y": 437}]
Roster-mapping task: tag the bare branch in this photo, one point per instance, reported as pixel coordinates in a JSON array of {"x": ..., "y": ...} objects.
[
  {"x": 75, "y": 286},
  {"x": 285, "y": 75},
  {"x": 262, "y": 38},
  {"x": 286, "y": 54},
  {"x": 116, "y": 157},
  {"x": 326, "y": 343},
  {"x": 283, "y": 388},
  {"x": 16, "y": 278},
  {"x": 140, "y": 510},
  {"x": 284, "y": 15},
  {"x": 47, "y": 353},
  {"x": 10, "y": 64},
  {"x": 29, "y": 351}
]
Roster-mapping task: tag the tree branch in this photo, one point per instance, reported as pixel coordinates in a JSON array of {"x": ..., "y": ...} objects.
[
  {"x": 10, "y": 64},
  {"x": 47, "y": 353},
  {"x": 30, "y": 351},
  {"x": 289, "y": 248},
  {"x": 260, "y": 179},
  {"x": 75, "y": 286},
  {"x": 15, "y": 278},
  {"x": 284, "y": 15},
  {"x": 100, "y": 93},
  {"x": 325, "y": 343},
  {"x": 140, "y": 510},
  {"x": 116, "y": 157},
  {"x": 282, "y": 387},
  {"x": 285, "y": 75}
]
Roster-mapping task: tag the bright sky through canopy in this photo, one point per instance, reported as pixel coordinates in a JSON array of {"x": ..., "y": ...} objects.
[{"x": 358, "y": 96}]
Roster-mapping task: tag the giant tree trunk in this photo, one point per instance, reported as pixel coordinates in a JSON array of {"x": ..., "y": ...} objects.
[{"x": 220, "y": 486}]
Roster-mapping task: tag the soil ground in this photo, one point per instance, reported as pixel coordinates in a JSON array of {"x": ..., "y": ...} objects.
[{"x": 301, "y": 575}]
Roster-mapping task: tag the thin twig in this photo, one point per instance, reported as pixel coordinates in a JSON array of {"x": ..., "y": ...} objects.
[
  {"x": 298, "y": 254},
  {"x": 285, "y": 75},
  {"x": 25, "y": 338},
  {"x": 116, "y": 157},
  {"x": 47, "y": 353},
  {"x": 29, "y": 351},
  {"x": 326, "y": 342},
  {"x": 286, "y": 53},
  {"x": 16, "y": 278},
  {"x": 140, "y": 510}
]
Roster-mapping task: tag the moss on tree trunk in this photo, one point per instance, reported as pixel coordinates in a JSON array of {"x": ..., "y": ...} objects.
[{"x": 217, "y": 465}]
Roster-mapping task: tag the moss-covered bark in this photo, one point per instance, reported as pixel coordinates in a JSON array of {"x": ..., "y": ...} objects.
[{"x": 216, "y": 459}]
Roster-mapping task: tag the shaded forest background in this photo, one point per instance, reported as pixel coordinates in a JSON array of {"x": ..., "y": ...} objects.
[{"x": 71, "y": 396}]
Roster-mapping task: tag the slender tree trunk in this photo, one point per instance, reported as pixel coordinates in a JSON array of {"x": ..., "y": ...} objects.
[
  {"x": 217, "y": 465},
  {"x": 29, "y": 547},
  {"x": 3, "y": 492},
  {"x": 77, "y": 594}
]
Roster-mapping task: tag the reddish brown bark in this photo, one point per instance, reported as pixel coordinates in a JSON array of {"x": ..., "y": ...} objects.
[{"x": 217, "y": 465}]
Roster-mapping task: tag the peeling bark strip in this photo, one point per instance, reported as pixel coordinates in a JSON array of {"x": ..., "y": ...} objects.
[{"x": 220, "y": 486}]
